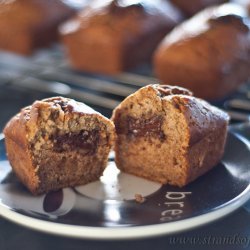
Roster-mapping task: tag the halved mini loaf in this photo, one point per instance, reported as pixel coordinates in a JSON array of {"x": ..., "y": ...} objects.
[
  {"x": 166, "y": 135},
  {"x": 58, "y": 142}
]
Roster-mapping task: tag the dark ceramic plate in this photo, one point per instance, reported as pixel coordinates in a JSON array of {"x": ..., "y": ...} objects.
[{"x": 107, "y": 209}]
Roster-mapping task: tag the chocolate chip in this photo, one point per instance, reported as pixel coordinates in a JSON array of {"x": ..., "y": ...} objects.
[
  {"x": 150, "y": 127},
  {"x": 85, "y": 139}
]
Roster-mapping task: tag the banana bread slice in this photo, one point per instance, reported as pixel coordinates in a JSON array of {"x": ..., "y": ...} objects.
[
  {"x": 56, "y": 143},
  {"x": 166, "y": 135}
]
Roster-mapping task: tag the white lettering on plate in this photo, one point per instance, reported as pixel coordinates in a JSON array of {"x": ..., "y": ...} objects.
[{"x": 175, "y": 204}]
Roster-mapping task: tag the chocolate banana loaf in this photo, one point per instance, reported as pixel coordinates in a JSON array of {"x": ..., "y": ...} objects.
[
  {"x": 111, "y": 36},
  {"x": 26, "y": 25},
  {"x": 56, "y": 143},
  {"x": 209, "y": 54},
  {"x": 166, "y": 135}
]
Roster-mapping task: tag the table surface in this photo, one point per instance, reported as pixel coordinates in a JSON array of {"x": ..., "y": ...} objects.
[{"x": 230, "y": 232}]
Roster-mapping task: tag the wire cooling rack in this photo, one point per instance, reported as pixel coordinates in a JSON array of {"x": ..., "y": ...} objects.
[{"x": 48, "y": 72}]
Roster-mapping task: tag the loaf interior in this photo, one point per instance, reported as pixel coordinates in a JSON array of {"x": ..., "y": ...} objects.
[
  {"x": 152, "y": 139},
  {"x": 68, "y": 149}
]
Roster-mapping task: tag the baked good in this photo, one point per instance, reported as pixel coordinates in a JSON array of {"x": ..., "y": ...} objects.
[
  {"x": 166, "y": 135},
  {"x": 189, "y": 8},
  {"x": 56, "y": 143},
  {"x": 26, "y": 25},
  {"x": 209, "y": 54},
  {"x": 111, "y": 36}
]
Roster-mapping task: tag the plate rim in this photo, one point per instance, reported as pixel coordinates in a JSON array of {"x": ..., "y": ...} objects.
[{"x": 135, "y": 232}]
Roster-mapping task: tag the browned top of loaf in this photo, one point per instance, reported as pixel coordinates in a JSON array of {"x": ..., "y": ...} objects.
[
  {"x": 26, "y": 14},
  {"x": 66, "y": 104},
  {"x": 166, "y": 90},
  {"x": 122, "y": 18},
  {"x": 202, "y": 118},
  {"x": 230, "y": 16},
  {"x": 26, "y": 121}
]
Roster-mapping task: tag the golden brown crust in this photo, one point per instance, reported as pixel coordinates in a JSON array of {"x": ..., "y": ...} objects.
[
  {"x": 209, "y": 54},
  {"x": 185, "y": 141},
  {"x": 206, "y": 153},
  {"x": 33, "y": 23},
  {"x": 58, "y": 142},
  {"x": 18, "y": 152},
  {"x": 116, "y": 35}
]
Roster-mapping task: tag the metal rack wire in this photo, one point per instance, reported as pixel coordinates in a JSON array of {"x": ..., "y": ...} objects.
[{"x": 48, "y": 72}]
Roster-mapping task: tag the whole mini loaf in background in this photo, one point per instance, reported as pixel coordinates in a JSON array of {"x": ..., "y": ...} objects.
[
  {"x": 26, "y": 25},
  {"x": 113, "y": 36},
  {"x": 209, "y": 54}
]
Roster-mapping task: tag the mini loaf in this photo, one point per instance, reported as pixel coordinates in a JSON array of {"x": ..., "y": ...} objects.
[
  {"x": 58, "y": 143},
  {"x": 191, "y": 7},
  {"x": 112, "y": 36},
  {"x": 166, "y": 135},
  {"x": 26, "y": 25},
  {"x": 209, "y": 54}
]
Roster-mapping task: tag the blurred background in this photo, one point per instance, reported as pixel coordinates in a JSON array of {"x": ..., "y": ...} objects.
[{"x": 99, "y": 52}]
